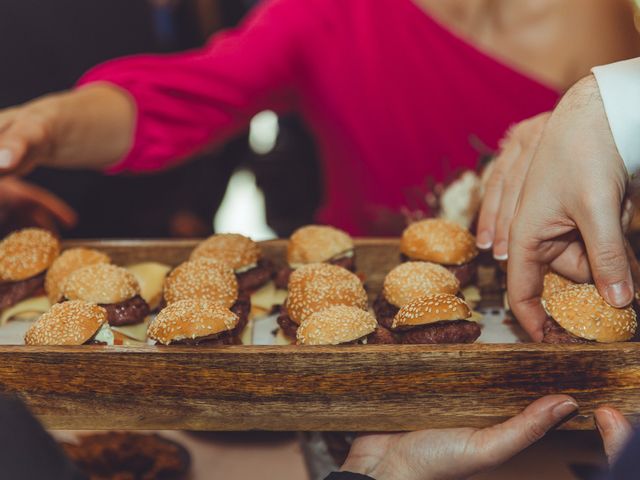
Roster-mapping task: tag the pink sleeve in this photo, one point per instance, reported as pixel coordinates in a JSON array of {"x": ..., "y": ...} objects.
[{"x": 189, "y": 101}]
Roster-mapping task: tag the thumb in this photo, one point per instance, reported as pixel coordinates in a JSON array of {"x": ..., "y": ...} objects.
[
  {"x": 501, "y": 442},
  {"x": 604, "y": 240},
  {"x": 614, "y": 429}
]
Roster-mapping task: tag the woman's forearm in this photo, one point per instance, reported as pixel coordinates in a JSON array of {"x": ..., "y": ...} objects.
[
  {"x": 94, "y": 128},
  {"x": 91, "y": 127}
]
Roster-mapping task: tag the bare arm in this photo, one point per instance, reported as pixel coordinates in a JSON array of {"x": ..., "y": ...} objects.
[{"x": 87, "y": 128}]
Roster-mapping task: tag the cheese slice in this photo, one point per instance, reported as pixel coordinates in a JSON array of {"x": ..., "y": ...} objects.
[
  {"x": 136, "y": 332},
  {"x": 267, "y": 296},
  {"x": 29, "y": 309},
  {"x": 150, "y": 276}
]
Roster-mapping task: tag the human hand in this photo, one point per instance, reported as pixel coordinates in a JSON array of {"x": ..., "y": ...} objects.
[
  {"x": 23, "y": 204},
  {"x": 615, "y": 431},
  {"x": 570, "y": 213},
  {"x": 458, "y": 452},
  {"x": 504, "y": 182},
  {"x": 90, "y": 127}
]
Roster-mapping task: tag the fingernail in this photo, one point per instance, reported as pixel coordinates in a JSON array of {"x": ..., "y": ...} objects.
[
  {"x": 6, "y": 158},
  {"x": 619, "y": 294},
  {"x": 564, "y": 409},
  {"x": 484, "y": 240},
  {"x": 500, "y": 252}
]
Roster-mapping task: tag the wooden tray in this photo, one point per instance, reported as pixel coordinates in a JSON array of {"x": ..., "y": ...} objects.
[{"x": 359, "y": 388}]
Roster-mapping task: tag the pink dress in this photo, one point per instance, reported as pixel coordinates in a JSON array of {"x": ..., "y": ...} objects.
[{"x": 393, "y": 99}]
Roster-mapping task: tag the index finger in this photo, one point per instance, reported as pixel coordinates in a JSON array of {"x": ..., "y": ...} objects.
[{"x": 525, "y": 274}]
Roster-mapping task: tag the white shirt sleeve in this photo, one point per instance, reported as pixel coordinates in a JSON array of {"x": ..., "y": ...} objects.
[{"x": 619, "y": 85}]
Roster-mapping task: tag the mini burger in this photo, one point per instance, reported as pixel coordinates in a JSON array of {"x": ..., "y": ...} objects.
[
  {"x": 25, "y": 256},
  {"x": 67, "y": 263},
  {"x": 205, "y": 279},
  {"x": 444, "y": 242},
  {"x": 553, "y": 283},
  {"x": 440, "y": 318},
  {"x": 242, "y": 254},
  {"x": 578, "y": 314},
  {"x": 341, "y": 324},
  {"x": 113, "y": 288},
  {"x": 408, "y": 282},
  {"x": 315, "y": 287},
  {"x": 317, "y": 244},
  {"x": 71, "y": 323},
  {"x": 195, "y": 322}
]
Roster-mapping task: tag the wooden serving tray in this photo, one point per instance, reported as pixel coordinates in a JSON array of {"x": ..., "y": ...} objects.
[{"x": 344, "y": 388}]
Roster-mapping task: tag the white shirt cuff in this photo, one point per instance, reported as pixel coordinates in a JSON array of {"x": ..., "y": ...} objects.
[{"x": 619, "y": 85}]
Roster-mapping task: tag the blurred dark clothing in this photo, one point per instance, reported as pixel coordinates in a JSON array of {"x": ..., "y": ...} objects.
[
  {"x": 27, "y": 451},
  {"x": 46, "y": 48}
]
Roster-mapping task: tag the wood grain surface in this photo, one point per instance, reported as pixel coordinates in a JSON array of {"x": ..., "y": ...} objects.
[
  {"x": 360, "y": 387},
  {"x": 314, "y": 388}
]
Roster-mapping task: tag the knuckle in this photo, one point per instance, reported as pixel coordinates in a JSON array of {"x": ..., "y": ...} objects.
[
  {"x": 534, "y": 432},
  {"x": 609, "y": 258}
]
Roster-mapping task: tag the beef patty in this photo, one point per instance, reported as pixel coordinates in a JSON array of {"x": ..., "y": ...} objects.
[
  {"x": 457, "y": 331},
  {"x": 288, "y": 326},
  {"x": 384, "y": 311},
  {"x": 255, "y": 277},
  {"x": 129, "y": 312},
  {"x": 381, "y": 336},
  {"x": 554, "y": 333},
  {"x": 14, "y": 292}
]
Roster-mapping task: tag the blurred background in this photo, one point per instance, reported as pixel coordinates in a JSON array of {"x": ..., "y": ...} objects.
[{"x": 226, "y": 187}]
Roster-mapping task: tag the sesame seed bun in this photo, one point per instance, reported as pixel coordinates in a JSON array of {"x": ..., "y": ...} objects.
[
  {"x": 317, "y": 286},
  {"x": 553, "y": 283},
  {"x": 191, "y": 319},
  {"x": 202, "y": 279},
  {"x": 68, "y": 323},
  {"x": 317, "y": 243},
  {"x": 233, "y": 249},
  {"x": 100, "y": 283},
  {"x": 335, "y": 325},
  {"x": 431, "y": 309},
  {"x": 70, "y": 261},
  {"x": 411, "y": 280},
  {"x": 581, "y": 311},
  {"x": 439, "y": 241},
  {"x": 27, "y": 253}
]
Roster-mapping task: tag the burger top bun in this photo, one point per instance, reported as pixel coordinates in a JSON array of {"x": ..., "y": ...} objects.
[
  {"x": 68, "y": 323},
  {"x": 431, "y": 309},
  {"x": 191, "y": 318},
  {"x": 233, "y": 249},
  {"x": 581, "y": 311},
  {"x": 70, "y": 261},
  {"x": 101, "y": 283},
  {"x": 317, "y": 243},
  {"x": 202, "y": 279},
  {"x": 438, "y": 240},
  {"x": 335, "y": 325},
  {"x": 27, "y": 253},
  {"x": 411, "y": 280},
  {"x": 553, "y": 283},
  {"x": 316, "y": 286}
]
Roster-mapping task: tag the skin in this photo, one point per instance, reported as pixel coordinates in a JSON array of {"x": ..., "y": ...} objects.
[
  {"x": 461, "y": 452},
  {"x": 576, "y": 227}
]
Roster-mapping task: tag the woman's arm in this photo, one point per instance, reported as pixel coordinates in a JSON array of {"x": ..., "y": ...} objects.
[
  {"x": 146, "y": 112},
  {"x": 88, "y": 128}
]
